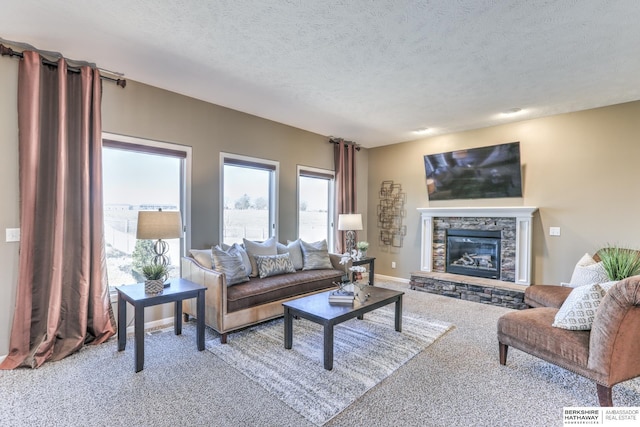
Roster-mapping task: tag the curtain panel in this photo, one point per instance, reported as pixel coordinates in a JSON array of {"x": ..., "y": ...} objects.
[
  {"x": 345, "y": 165},
  {"x": 62, "y": 297}
]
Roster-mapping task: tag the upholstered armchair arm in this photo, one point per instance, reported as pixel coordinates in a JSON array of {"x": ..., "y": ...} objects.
[
  {"x": 615, "y": 335},
  {"x": 335, "y": 261},
  {"x": 215, "y": 296}
]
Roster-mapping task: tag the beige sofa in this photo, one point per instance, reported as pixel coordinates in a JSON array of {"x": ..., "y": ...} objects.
[{"x": 229, "y": 308}]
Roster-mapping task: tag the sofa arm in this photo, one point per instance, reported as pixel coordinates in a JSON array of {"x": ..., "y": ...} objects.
[
  {"x": 335, "y": 261},
  {"x": 615, "y": 335},
  {"x": 215, "y": 296}
]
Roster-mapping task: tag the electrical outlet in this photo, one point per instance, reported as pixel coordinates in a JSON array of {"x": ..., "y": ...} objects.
[
  {"x": 13, "y": 234},
  {"x": 393, "y": 264},
  {"x": 554, "y": 231}
]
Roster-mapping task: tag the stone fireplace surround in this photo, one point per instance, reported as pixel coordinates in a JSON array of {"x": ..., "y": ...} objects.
[{"x": 515, "y": 223}]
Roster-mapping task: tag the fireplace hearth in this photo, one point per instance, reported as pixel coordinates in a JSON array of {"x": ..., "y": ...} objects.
[{"x": 473, "y": 253}]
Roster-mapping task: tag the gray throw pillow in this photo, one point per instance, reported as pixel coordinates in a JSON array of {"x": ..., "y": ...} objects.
[
  {"x": 237, "y": 248},
  {"x": 315, "y": 255},
  {"x": 579, "y": 309},
  {"x": 295, "y": 253},
  {"x": 272, "y": 265},
  {"x": 230, "y": 264},
  {"x": 268, "y": 247}
]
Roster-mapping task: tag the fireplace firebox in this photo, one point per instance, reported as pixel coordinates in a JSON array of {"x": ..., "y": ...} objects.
[{"x": 473, "y": 253}]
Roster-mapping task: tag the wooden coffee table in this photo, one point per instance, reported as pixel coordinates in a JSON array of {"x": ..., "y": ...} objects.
[{"x": 316, "y": 308}]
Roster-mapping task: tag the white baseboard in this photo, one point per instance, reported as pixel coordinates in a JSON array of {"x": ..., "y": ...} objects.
[
  {"x": 156, "y": 324},
  {"x": 394, "y": 279}
]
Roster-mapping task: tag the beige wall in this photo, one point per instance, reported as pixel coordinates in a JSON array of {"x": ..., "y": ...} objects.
[
  {"x": 9, "y": 210},
  {"x": 151, "y": 113},
  {"x": 580, "y": 169}
]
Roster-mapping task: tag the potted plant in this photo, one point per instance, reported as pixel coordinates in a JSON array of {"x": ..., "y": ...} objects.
[
  {"x": 362, "y": 247},
  {"x": 155, "y": 275},
  {"x": 620, "y": 263}
]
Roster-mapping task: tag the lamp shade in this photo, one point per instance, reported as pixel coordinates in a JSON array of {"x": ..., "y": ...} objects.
[
  {"x": 159, "y": 225},
  {"x": 349, "y": 222}
]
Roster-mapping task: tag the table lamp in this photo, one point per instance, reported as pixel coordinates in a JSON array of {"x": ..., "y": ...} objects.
[
  {"x": 159, "y": 225},
  {"x": 350, "y": 223}
]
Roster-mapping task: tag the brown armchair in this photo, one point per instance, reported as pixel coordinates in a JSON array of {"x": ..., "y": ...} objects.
[{"x": 608, "y": 354}]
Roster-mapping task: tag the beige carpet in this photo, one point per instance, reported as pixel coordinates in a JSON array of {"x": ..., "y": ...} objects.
[{"x": 365, "y": 353}]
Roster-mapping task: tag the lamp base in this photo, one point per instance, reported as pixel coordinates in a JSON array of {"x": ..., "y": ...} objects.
[{"x": 350, "y": 240}]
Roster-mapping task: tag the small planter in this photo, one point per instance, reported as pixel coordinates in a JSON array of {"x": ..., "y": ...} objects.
[{"x": 153, "y": 286}]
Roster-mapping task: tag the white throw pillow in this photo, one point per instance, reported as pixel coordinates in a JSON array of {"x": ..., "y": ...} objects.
[
  {"x": 586, "y": 272},
  {"x": 579, "y": 309},
  {"x": 202, "y": 257},
  {"x": 268, "y": 247}
]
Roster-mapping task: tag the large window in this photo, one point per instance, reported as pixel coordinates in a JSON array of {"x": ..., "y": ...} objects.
[
  {"x": 140, "y": 175},
  {"x": 315, "y": 204},
  {"x": 249, "y": 198}
]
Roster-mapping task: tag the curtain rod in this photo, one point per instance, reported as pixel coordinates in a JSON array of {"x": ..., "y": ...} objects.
[
  {"x": 334, "y": 140},
  {"x": 7, "y": 51}
]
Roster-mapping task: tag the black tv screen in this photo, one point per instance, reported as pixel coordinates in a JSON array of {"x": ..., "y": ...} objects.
[{"x": 476, "y": 173}]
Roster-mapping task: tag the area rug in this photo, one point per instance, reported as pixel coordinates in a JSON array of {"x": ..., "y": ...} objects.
[{"x": 365, "y": 352}]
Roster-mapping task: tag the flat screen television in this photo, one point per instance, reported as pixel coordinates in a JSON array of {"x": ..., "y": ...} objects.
[{"x": 476, "y": 173}]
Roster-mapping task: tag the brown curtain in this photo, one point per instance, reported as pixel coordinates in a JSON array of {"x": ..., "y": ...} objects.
[
  {"x": 344, "y": 155},
  {"x": 62, "y": 300}
]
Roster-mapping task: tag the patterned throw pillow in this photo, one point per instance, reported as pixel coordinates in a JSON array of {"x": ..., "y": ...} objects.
[
  {"x": 268, "y": 247},
  {"x": 579, "y": 309},
  {"x": 315, "y": 255},
  {"x": 237, "y": 248},
  {"x": 295, "y": 252},
  {"x": 586, "y": 272},
  {"x": 230, "y": 264},
  {"x": 272, "y": 265}
]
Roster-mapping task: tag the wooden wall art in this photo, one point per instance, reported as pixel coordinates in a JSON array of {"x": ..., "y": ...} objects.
[{"x": 391, "y": 212}]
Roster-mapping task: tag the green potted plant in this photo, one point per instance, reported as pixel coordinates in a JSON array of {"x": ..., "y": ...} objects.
[
  {"x": 620, "y": 263},
  {"x": 155, "y": 275},
  {"x": 362, "y": 247}
]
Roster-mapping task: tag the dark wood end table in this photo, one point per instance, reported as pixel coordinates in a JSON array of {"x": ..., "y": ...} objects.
[
  {"x": 178, "y": 290},
  {"x": 317, "y": 309},
  {"x": 370, "y": 261}
]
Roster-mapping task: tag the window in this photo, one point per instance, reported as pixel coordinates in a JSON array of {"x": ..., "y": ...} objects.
[
  {"x": 315, "y": 204},
  {"x": 249, "y": 198},
  {"x": 140, "y": 175}
]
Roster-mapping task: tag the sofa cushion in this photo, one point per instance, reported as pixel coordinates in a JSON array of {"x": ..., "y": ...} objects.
[
  {"x": 268, "y": 247},
  {"x": 295, "y": 252},
  {"x": 273, "y": 265},
  {"x": 579, "y": 309},
  {"x": 546, "y": 295},
  {"x": 315, "y": 255},
  {"x": 586, "y": 272},
  {"x": 531, "y": 331},
  {"x": 261, "y": 291},
  {"x": 230, "y": 264}
]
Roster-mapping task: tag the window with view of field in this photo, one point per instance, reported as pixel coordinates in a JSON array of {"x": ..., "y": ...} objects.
[
  {"x": 249, "y": 198},
  {"x": 315, "y": 204},
  {"x": 135, "y": 180}
]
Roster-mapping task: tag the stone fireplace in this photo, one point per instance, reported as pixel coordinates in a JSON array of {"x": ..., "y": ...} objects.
[
  {"x": 492, "y": 245},
  {"x": 511, "y": 225}
]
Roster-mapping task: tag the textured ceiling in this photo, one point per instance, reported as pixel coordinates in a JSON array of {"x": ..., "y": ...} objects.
[{"x": 371, "y": 71}]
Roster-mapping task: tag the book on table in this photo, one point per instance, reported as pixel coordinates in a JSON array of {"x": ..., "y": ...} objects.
[{"x": 341, "y": 297}]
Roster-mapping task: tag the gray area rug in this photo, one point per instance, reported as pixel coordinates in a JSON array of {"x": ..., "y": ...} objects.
[
  {"x": 365, "y": 353},
  {"x": 456, "y": 381}
]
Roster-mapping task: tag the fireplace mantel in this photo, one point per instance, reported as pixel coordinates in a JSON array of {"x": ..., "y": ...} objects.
[{"x": 522, "y": 214}]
